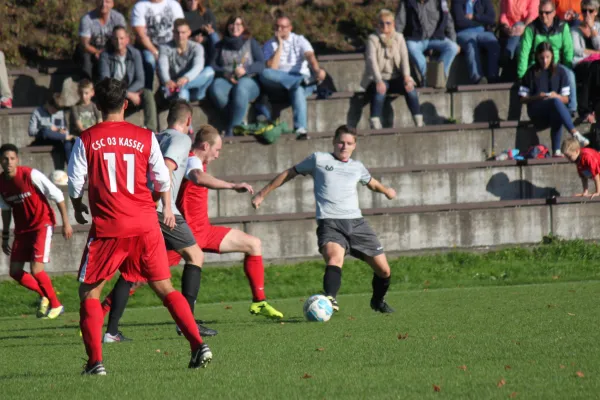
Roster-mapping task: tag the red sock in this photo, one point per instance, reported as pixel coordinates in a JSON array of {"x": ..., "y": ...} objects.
[
  {"x": 181, "y": 313},
  {"x": 90, "y": 322},
  {"x": 255, "y": 272},
  {"x": 27, "y": 281},
  {"x": 46, "y": 284}
]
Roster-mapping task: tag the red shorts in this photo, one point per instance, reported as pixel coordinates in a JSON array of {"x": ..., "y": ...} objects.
[
  {"x": 139, "y": 258},
  {"x": 32, "y": 246},
  {"x": 208, "y": 238}
]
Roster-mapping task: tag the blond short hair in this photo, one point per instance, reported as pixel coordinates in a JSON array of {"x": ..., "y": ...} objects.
[
  {"x": 385, "y": 13},
  {"x": 206, "y": 134},
  {"x": 570, "y": 145}
]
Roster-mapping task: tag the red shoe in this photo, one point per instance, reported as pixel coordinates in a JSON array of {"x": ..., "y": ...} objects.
[{"x": 6, "y": 103}]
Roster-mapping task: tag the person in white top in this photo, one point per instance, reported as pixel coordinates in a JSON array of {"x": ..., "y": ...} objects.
[
  {"x": 292, "y": 68},
  {"x": 153, "y": 21}
]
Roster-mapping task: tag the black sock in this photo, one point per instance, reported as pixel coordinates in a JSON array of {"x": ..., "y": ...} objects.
[
  {"x": 190, "y": 283},
  {"x": 120, "y": 297},
  {"x": 332, "y": 280},
  {"x": 380, "y": 287}
]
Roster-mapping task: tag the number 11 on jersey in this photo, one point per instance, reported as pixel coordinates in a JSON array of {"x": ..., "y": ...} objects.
[{"x": 112, "y": 171}]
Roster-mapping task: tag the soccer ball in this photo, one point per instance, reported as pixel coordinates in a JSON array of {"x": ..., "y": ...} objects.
[
  {"x": 318, "y": 308},
  {"x": 59, "y": 178}
]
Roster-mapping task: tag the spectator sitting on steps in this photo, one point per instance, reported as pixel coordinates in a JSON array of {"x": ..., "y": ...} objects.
[
  {"x": 474, "y": 20},
  {"x": 387, "y": 69},
  {"x": 5, "y": 92},
  {"x": 515, "y": 15},
  {"x": 292, "y": 68},
  {"x": 95, "y": 30},
  {"x": 202, "y": 23},
  {"x": 124, "y": 62},
  {"x": 48, "y": 125},
  {"x": 85, "y": 114},
  {"x": 181, "y": 66},
  {"x": 427, "y": 25}
]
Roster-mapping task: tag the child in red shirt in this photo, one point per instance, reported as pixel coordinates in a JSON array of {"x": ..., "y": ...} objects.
[{"x": 588, "y": 164}]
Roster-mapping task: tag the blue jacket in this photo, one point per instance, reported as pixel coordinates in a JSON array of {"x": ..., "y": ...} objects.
[{"x": 483, "y": 14}]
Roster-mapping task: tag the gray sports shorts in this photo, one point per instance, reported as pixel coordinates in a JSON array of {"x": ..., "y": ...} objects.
[
  {"x": 354, "y": 235},
  {"x": 180, "y": 237}
]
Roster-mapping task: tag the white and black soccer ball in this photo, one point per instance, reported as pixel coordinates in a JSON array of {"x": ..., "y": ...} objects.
[
  {"x": 59, "y": 178},
  {"x": 318, "y": 308}
]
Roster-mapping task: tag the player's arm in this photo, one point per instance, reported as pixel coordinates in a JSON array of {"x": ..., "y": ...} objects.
[
  {"x": 597, "y": 184},
  {"x": 48, "y": 189},
  {"x": 160, "y": 176},
  {"x": 6, "y": 217},
  {"x": 379, "y": 187},
  {"x": 201, "y": 178},
  {"x": 279, "y": 180},
  {"x": 77, "y": 172}
]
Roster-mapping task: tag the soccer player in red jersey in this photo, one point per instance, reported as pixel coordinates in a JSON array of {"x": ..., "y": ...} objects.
[
  {"x": 24, "y": 194},
  {"x": 116, "y": 157},
  {"x": 192, "y": 201}
]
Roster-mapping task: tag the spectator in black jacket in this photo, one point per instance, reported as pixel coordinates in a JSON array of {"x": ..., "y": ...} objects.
[
  {"x": 124, "y": 62},
  {"x": 202, "y": 23},
  {"x": 474, "y": 21}
]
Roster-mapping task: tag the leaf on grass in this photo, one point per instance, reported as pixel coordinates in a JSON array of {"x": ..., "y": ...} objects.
[
  {"x": 501, "y": 383},
  {"x": 426, "y": 283},
  {"x": 320, "y": 348},
  {"x": 434, "y": 337},
  {"x": 451, "y": 336},
  {"x": 302, "y": 300},
  {"x": 516, "y": 342},
  {"x": 562, "y": 366},
  {"x": 347, "y": 335},
  {"x": 551, "y": 305},
  {"x": 401, "y": 336},
  {"x": 436, "y": 388},
  {"x": 351, "y": 318},
  {"x": 166, "y": 353},
  {"x": 24, "y": 316},
  {"x": 74, "y": 320},
  {"x": 463, "y": 367},
  {"x": 306, "y": 376},
  {"x": 282, "y": 323},
  {"x": 513, "y": 395},
  {"x": 555, "y": 277},
  {"x": 506, "y": 367},
  {"x": 571, "y": 314},
  {"x": 228, "y": 307},
  {"x": 62, "y": 334},
  {"x": 426, "y": 290},
  {"x": 571, "y": 291},
  {"x": 158, "y": 350},
  {"x": 580, "y": 374}
]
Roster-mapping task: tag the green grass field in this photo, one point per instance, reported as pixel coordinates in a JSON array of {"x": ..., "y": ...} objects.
[{"x": 523, "y": 341}]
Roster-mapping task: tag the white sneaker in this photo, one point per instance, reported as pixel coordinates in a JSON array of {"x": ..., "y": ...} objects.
[
  {"x": 418, "y": 118},
  {"x": 558, "y": 153},
  {"x": 582, "y": 140},
  {"x": 375, "y": 123}
]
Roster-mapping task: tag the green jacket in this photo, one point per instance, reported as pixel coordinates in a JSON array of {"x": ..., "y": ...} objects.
[{"x": 558, "y": 35}]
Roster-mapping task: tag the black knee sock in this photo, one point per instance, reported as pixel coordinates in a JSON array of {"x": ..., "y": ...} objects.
[
  {"x": 190, "y": 283},
  {"x": 332, "y": 280},
  {"x": 120, "y": 297},
  {"x": 380, "y": 287}
]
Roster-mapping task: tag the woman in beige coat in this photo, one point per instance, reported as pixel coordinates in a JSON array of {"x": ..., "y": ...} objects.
[{"x": 387, "y": 69}]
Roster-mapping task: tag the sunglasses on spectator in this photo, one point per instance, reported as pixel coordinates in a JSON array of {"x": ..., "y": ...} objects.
[
  {"x": 386, "y": 23},
  {"x": 588, "y": 10},
  {"x": 546, "y": 12}
]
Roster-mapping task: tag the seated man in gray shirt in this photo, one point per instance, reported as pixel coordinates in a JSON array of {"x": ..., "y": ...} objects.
[
  {"x": 95, "y": 29},
  {"x": 124, "y": 62},
  {"x": 181, "y": 66},
  {"x": 341, "y": 227}
]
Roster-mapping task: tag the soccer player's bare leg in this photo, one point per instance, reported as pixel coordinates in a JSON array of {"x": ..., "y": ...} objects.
[
  {"x": 381, "y": 282},
  {"x": 236, "y": 241},
  {"x": 333, "y": 254}
]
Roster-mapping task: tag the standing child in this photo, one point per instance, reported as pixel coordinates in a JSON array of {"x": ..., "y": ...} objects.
[
  {"x": 84, "y": 114},
  {"x": 588, "y": 164}
]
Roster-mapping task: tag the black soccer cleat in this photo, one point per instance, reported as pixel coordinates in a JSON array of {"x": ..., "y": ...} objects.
[
  {"x": 96, "y": 369},
  {"x": 204, "y": 331},
  {"x": 201, "y": 357},
  {"x": 381, "y": 306},
  {"x": 334, "y": 303}
]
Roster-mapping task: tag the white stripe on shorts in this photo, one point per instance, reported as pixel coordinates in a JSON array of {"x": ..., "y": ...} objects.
[
  {"x": 49, "y": 231},
  {"x": 84, "y": 266}
]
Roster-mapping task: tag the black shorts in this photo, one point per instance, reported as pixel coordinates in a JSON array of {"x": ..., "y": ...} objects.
[
  {"x": 180, "y": 237},
  {"x": 354, "y": 235}
]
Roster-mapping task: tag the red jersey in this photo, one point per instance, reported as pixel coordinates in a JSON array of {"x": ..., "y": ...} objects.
[
  {"x": 118, "y": 158},
  {"x": 588, "y": 163},
  {"x": 30, "y": 207},
  {"x": 192, "y": 199}
]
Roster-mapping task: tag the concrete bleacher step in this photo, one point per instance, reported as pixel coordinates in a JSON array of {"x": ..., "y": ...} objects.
[
  {"x": 442, "y": 144},
  {"x": 449, "y": 226}
]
